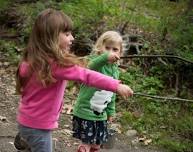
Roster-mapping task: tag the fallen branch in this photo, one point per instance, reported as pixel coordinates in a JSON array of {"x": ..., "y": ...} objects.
[
  {"x": 156, "y": 56},
  {"x": 150, "y": 96},
  {"x": 162, "y": 98},
  {"x": 7, "y": 136}
]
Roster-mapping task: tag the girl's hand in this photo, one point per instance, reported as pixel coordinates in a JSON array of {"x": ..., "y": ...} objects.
[
  {"x": 110, "y": 119},
  {"x": 124, "y": 91},
  {"x": 113, "y": 57}
]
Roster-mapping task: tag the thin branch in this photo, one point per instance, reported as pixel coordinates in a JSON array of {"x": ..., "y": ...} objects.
[
  {"x": 149, "y": 96},
  {"x": 155, "y": 97},
  {"x": 162, "y": 98},
  {"x": 157, "y": 56},
  {"x": 7, "y": 136}
]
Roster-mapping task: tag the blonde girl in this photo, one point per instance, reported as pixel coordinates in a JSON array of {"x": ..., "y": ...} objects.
[{"x": 94, "y": 107}]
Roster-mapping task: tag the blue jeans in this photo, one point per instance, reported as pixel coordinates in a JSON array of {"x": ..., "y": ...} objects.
[{"x": 39, "y": 140}]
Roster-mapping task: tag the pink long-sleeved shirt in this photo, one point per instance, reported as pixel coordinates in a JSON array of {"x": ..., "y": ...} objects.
[{"x": 40, "y": 106}]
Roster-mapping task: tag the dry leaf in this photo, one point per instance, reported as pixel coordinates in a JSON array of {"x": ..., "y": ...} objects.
[
  {"x": 3, "y": 119},
  {"x": 147, "y": 141}
]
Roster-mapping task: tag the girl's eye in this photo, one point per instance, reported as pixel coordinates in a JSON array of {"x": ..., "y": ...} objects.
[
  {"x": 67, "y": 33},
  {"x": 107, "y": 47},
  {"x": 115, "y": 49}
]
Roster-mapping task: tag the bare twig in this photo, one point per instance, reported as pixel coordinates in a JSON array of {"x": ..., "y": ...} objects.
[
  {"x": 7, "y": 136},
  {"x": 157, "y": 56},
  {"x": 162, "y": 98}
]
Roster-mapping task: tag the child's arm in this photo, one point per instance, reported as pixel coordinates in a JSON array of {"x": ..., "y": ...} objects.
[
  {"x": 86, "y": 76},
  {"x": 91, "y": 78},
  {"x": 96, "y": 62}
]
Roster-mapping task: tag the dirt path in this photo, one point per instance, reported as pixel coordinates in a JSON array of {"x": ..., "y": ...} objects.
[{"x": 63, "y": 142}]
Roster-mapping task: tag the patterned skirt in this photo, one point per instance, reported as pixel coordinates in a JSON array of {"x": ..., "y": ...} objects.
[{"x": 90, "y": 132}]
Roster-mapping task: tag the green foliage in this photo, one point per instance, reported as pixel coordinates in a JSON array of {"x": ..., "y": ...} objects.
[
  {"x": 126, "y": 119},
  {"x": 4, "y": 4},
  {"x": 29, "y": 13},
  {"x": 162, "y": 123},
  {"x": 185, "y": 127},
  {"x": 177, "y": 146},
  {"x": 134, "y": 77},
  {"x": 86, "y": 14},
  {"x": 158, "y": 121},
  {"x": 10, "y": 50}
]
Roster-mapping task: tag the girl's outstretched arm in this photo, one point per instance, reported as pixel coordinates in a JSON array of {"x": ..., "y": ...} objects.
[
  {"x": 86, "y": 76},
  {"x": 91, "y": 78}
]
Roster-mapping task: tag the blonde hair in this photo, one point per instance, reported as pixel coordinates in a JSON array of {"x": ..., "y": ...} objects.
[
  {"x": 107, "y": 37},
  {"x": 43, "y": 46}
]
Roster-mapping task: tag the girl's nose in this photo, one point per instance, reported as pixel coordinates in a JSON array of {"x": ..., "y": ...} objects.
[{"x": 72, "y": 38}]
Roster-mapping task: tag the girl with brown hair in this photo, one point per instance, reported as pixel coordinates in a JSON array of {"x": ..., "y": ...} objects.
[{"x": 42, "y": 75}]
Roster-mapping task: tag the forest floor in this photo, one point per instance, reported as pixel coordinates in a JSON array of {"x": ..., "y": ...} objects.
[{"x": 62, "y": 139}]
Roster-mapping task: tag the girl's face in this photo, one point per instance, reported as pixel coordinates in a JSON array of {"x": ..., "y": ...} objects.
[
  {"x": 112, "y": 47},
  {"x": 65, "y": 40}
]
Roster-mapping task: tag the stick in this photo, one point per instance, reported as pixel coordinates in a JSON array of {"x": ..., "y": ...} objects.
[
  {"x": 156, "y": 56},
  {"x": 162, "y": 98}
]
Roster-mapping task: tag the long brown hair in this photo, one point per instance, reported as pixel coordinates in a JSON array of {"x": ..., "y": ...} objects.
[{"x": 43, "y": 46}]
